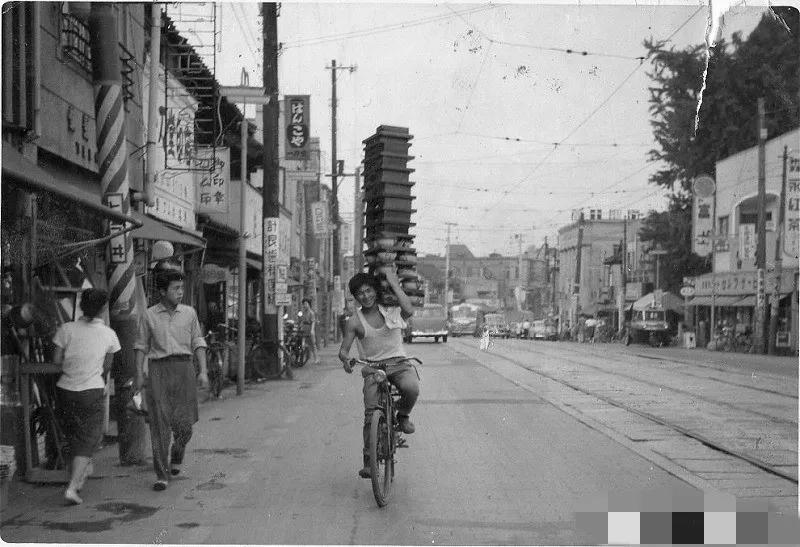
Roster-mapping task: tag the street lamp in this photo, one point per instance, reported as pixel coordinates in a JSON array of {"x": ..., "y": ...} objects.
[{"x": 243, "y": 94}]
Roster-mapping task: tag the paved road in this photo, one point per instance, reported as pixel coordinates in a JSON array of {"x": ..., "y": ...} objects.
[
  {"x": 493, "y": 461},
  {"x": 728, "y": 423}
]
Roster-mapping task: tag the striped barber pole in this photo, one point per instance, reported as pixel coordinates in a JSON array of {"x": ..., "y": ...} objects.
[{"x": 112, "y": 160}]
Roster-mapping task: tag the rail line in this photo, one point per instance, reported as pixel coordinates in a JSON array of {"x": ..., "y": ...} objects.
[{"x": 714, "y": 445}]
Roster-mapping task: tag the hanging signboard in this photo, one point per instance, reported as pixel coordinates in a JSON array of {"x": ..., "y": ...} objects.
[
  {"x": 703, "y": 189},
  {"x": 212, "y": 179},
  {"x": 271, "y": 250},
  {"x": 791, "y": 226},
  {"x": 319, "y": 217},
  {"x": 297, "y": 115}
]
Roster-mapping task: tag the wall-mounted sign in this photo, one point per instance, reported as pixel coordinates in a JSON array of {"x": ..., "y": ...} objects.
[
  {"x": 747, "y": 243},
  {"x": 212, "y": 179},
  {"x": 297, "y": 115},
  {"x": 319, "y": 217},
  {"x": 118, "y": 245},
  {"x": 791, "y": 226},
  {"x": 271, "y": 249},
  {"x": 703, "y": 189}
]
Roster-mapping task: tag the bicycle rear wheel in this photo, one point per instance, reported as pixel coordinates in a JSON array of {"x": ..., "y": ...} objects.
[
  {"x": 257, "y": 365},
  {"x": 381, "y": 461},
  {"x": 214, "y": 366}
]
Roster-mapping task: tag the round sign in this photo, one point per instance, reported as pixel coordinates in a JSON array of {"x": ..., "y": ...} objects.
[
  {"x": 704, "y": 186},
  {"x": 687, "y": 291}
]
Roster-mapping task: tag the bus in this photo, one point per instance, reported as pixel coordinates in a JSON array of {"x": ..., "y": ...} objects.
[{"x": 465, "y": 319}]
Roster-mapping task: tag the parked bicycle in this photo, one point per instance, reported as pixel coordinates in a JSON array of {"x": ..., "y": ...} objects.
[
  {"x": 294, "y": 346},
  {"x": 215, "y": 352},
  {"x": 384, "y": 436}
]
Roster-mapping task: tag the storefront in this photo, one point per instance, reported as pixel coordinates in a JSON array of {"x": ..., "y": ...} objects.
[
  {"x": 726, "y": 301},
  {"x": 54, "y": 236}
]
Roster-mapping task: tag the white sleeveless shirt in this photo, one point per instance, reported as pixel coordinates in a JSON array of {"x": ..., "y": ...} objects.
[{"x": 385, "y": 342}]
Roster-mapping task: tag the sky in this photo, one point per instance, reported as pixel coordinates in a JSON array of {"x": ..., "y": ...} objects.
[{"x": 511, "y": 133}]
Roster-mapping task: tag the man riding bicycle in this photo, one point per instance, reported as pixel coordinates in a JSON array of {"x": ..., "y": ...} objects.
[{"x": 378, "y": 332}]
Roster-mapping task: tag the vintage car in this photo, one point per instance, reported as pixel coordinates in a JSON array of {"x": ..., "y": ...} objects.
[{"x": 430, "y": 321}]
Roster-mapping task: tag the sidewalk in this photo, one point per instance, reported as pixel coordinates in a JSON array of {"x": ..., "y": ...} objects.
[{"x": 110, "y": 479}]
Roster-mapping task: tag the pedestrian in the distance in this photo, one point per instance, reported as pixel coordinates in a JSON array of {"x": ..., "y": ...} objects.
[
  {"x": 85, "y": 350},
  {"x": 169, "y": 335},
  {"x": 308, "y": 323}
]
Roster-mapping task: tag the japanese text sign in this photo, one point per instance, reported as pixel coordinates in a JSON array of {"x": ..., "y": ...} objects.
[
  {"x": 703, "y": 215},
  {"x": 297, "y": 117},
  {"x": 212, "y": 179},
  {"x": 319, "y": 217},
  {"x": 791, "y": 226},
  {"x": 118, "y": 244},
  {"x": 271, "y": 251}
]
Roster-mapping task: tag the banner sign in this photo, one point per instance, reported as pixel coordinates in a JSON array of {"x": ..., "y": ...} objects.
[
  {"x": 346, "y": 238},
  {"x": 747, "y": 243},
  {"x": 117, "y": 244},
  {"x": 319, "y": 217},
  {"x": 791, "y": 226},
  {"x": 271, "y": 249},
  {"x": 703, "y": 189},
  {"x": 297, "y": 117},
  {"x": 212, "y": 179}
]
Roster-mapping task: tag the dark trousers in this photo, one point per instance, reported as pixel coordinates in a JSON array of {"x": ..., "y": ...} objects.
[
  {"x": 172, "y": 410},
  {"x": 404, "y": 377}
]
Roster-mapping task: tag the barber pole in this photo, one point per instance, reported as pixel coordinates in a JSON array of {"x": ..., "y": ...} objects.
[
  {"x": 112, "y": 154},
  {"x": 112, "y": 165}
]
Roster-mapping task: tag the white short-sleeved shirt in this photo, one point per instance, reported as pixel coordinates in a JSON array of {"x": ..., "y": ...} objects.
[{"x": 85, "y": 344}]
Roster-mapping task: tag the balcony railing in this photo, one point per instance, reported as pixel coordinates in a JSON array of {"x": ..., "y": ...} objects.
[{"x": 75, "y": 40}]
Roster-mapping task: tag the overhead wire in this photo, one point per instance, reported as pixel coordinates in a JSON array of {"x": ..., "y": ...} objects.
[{"x": 377, "y": 30}]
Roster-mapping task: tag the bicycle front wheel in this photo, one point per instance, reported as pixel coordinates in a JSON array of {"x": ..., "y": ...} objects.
[
  {"x": 214, "y": 367},
  {"x": 381, "y": 462}
]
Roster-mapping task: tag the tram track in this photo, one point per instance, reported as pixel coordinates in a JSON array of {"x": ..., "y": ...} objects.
[
  {"x": 685, "y": 370},
  {"x": 682, "y": 430},
  {"x": 687, "y": 393}
]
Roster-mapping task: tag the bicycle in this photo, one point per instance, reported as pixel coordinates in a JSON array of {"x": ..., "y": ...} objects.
[
  {"x": 384, "y": 436},
  {"x": 294, "y": 345},
  {"x": 215, "y": 351}
]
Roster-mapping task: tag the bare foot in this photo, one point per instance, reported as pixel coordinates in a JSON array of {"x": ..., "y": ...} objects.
[{"x": 72, "y": 496}]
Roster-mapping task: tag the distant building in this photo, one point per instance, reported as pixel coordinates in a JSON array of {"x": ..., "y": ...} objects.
[
  {"x": 490, "y": 279},
  {"x": 599, "y": 290}
]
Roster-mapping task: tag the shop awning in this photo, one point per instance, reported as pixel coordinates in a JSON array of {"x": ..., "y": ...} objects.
[
  {"x": 253, "y": 263},
  {"x": 746, "y": 301},
  {"x": 31, "y": 176},
  {"x": 156, "y": 230},
  {"x": 718, "y": 301}
]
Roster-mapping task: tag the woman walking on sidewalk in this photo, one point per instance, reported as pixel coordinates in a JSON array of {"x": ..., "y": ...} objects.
[
  {"x": 85, "y": 348},
  {"x": 308, "y": 323}
]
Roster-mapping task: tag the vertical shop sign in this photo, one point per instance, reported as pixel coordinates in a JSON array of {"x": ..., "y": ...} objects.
[
  {"x": 747, "y": 243},
  {"x": 212, "y": 178},
  {"x": 703, "y": 189},
  {"x": 297, "y": 127},
  {"x": 346, "y": 237},
  {"x": 791, "y": 227},
  {"x": 117, "y": 244},
  {"x": 271, "y": 249},
  {"x": 319, "y": 217}
]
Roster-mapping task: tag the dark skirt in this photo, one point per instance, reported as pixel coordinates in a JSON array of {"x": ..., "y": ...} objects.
[{"x": 81, "y": 414}]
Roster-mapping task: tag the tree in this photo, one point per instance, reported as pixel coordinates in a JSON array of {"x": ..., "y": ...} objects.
[{"x": 766, "y": 65}]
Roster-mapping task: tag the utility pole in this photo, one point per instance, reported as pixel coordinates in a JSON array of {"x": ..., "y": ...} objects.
[
  {"x": 546, "y": 268},
  {"x": 358, "y": 222},
  {"x": 336, "y": 258},
  {"x": 576, "y": 288},
  {"x": 761, "y": 231},
  {"x": 447, "y": 265},
  {"x": 271, "y": 207},
  {"x": 623, "y": 275},
  {"x": 773, "y": 316}
]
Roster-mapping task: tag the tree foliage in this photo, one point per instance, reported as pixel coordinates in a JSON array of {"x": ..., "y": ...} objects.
[{"x": 766, "y": 64}]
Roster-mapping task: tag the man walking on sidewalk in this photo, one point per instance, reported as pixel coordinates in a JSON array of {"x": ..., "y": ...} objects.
[{"x": 169, "y": 335}]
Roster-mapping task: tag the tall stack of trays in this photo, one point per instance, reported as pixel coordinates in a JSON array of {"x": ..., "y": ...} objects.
[{"x": 388, "y": 210}]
